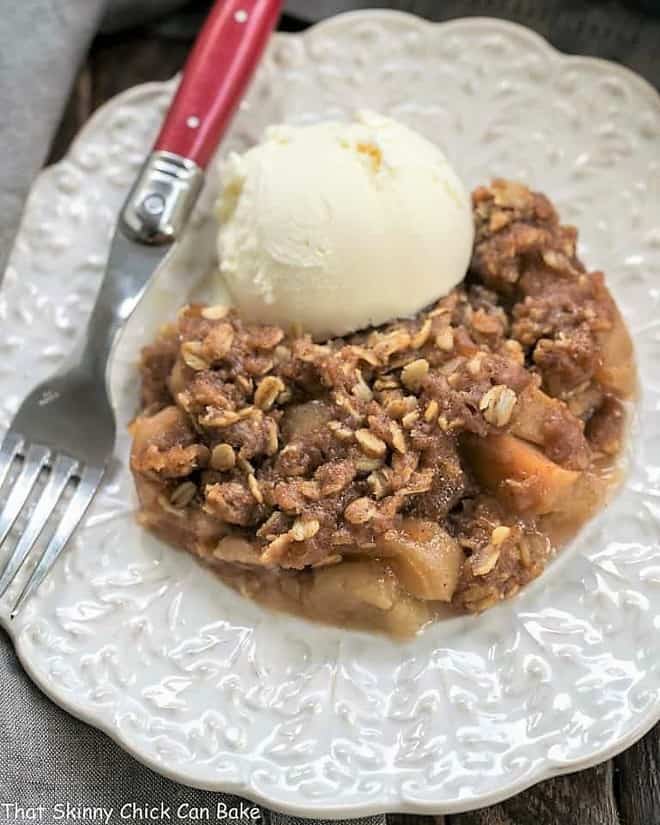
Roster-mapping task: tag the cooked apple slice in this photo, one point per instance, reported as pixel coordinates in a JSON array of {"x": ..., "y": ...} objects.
[
  {"x": 518, "y": 473},
  {"x": 351, "y": 584},
  {"x": 532, "y": 412},
  {"x": 301, "y": 420},
  {"x": 366, "y": 594},
  {"x": 617, "y": 372},
  {"x": 425, "y": 559},
  {"x": 167, "y": 428},
  {"x": 406, "y": 616},
  {"x": 549, "y": 423},
  {"x": 236, "y": 550}
]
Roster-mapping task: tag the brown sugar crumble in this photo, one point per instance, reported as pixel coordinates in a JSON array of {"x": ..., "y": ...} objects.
[{"x": 369, "y": 479}]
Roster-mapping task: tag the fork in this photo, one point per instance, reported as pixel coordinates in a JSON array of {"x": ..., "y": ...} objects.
[{"x": 65, "y": 429}]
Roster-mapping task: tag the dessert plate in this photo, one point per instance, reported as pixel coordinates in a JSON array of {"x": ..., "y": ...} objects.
[{"x": 214, "y": 691}]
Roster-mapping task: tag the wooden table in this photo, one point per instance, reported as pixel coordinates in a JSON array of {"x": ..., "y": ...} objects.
[{"x": 623, "y": 791}]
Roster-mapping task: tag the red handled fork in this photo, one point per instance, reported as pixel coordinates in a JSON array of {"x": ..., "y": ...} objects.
[{"x": 66, "y": 426}]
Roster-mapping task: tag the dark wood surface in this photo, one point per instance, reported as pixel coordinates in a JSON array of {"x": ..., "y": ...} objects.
[{"x": 623, "y": 791}]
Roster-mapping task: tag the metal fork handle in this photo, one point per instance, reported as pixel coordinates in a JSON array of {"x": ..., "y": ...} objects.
[
  {"x": 214, "y": 79},
  {"x": 161, "y": 199},
  {"x": 152, "y": 218}
]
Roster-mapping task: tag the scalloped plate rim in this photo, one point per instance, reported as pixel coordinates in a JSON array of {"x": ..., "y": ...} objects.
[{"x": 348, "y": 811}]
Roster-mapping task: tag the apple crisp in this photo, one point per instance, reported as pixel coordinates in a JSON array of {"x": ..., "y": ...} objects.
[{"x": 433, "y": 463}]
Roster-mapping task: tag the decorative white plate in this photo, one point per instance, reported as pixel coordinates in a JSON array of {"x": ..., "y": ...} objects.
[{"x": 212, "y": 690}]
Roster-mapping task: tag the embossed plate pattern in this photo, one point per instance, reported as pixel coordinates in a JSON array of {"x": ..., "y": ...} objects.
[{"x": 208, "y": 688}]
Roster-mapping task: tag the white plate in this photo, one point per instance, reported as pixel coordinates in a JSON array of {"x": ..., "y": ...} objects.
[{"x": 212, "y": 690}]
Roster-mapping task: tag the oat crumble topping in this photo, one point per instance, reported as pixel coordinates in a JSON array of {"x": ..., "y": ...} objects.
[{"x": 460, "y": 434}]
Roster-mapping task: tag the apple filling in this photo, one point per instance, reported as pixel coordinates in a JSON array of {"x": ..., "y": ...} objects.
[{"x": 432, "y": 464}]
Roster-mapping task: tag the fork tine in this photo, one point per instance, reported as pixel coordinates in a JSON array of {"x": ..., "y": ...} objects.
[
  {"x": 34, "y": 461},
  {"x": 89, "y": 481},
  {"x": 11, "y": 447},
  {"x": 62, "y": 471}
]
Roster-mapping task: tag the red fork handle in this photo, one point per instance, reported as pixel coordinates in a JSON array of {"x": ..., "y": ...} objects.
[
  {"x": 215, "y": 76},
  {"x": 214, "y": 79}
]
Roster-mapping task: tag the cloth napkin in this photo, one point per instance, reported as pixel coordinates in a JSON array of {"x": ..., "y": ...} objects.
[
  {"x": 49, "y": 760},
  {"x": 42, "y": 43}
]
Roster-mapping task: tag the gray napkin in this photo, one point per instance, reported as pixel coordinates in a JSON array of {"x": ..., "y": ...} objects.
[
  {"x": 49, "y": 760},
  {"x": 41, "y": 44}
]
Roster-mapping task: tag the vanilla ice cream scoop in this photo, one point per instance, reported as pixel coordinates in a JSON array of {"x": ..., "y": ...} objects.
[{"x": 341, "y": 226}]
